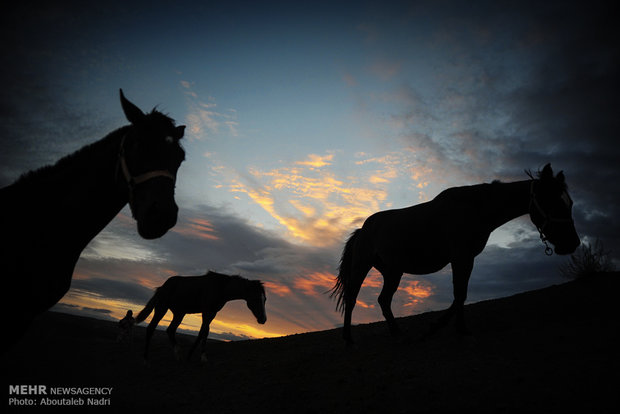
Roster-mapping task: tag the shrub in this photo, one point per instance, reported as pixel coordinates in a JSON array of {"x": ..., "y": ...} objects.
[{"x": 589, "y": 259}]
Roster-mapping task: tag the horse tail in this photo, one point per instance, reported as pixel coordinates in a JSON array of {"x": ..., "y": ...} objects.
[
  {"x": 344, "y": 272},
  {"x": 144, "y": 313}
]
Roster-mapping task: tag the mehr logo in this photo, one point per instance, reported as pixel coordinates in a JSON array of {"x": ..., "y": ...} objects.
[{"x": 27, "y": 390}]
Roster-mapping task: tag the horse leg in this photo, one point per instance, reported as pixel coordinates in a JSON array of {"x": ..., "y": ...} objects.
[
  {"x": 461, "y": 271},
  {"x": 391, "y": 280},
  {"x": 171, "y": 331},
  {"x": 207, "y": 317},
  {"x": 157, "y": 316},
  {"x": 357, "y": 278}
]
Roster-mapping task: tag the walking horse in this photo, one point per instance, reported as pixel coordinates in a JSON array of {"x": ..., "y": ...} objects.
[
  {"x": 452, "y": 228},
  {"x": 206, "y": 295}
]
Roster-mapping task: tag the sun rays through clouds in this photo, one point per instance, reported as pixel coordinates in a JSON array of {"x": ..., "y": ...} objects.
[{"x": 311, "y": 200}]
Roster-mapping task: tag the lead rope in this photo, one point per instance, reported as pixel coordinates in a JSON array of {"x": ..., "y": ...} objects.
[
  {"x": 548, "y": 249},
  {"x": 534, "y": 202}
]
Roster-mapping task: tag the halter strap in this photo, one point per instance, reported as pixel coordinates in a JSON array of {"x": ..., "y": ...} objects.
[
  {"x": 133, "y": 181},
  {"x": 139, "y": 179},
  {"x": 546, "y": 217}
]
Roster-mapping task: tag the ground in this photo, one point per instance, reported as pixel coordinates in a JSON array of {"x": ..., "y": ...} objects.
[{"x": 550, "y": 350}]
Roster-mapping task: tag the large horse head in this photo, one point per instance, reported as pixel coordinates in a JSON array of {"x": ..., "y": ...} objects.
[
  {"x": 551, "y": 211},
  {"x": 150, "y": 156}
]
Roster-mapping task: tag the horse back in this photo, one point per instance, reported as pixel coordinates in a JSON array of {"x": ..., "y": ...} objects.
[
  {"x": 424, "y": 238},
  {"x": 192, "y": 294}
]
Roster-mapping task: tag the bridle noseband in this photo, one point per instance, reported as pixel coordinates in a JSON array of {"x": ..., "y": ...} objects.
[
  {"x": 546, "y": 217},
  {"x": 133, "y": 181}
]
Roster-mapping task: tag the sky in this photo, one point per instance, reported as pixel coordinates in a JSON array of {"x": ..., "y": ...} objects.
[{"x": 304, "y": 118}]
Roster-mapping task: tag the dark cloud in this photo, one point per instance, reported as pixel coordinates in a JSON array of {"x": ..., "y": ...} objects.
[
  {"x": 236, "y": 241},
  {"x": 534, "y": 85},
  {"x": 502, "y": 271},
  {"x": 98, "y": 313},
  {"x": 567, "y": 115},
  {"x": 114, "y": 289}
]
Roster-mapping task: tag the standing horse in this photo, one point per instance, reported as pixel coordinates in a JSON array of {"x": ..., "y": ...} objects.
[
  {"x": 205, "y": 294},
  {"x": 452, "y": 228},
  {"x": 49, "y": 215}
]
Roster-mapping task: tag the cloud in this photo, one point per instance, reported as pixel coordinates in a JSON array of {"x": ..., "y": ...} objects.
[
  {"x": 466, "y": 94},
  {"x": 315, "y": 283},
  {"x": 117, "y": 282},
  {"x": 313, "y": 203},
  {"x": 113, "y": 289},
  {"x": 317, "y": 161},
  {"x": 385, "y": 70},
  {"x": 296, "y": 276},
  {"x": 200, "y": 228},
  {"x": 203, "y": 119},
  {"x": 566, "y": 114},
  {"x": 113, "y": 244}
]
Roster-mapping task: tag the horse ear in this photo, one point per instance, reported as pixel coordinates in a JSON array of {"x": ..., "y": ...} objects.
[
  {"x": 560, "y": 177},
  {"x": 547, "y": 172},
  {"x": 179, "y": 132},
  {"x": 132, "y": 112}
]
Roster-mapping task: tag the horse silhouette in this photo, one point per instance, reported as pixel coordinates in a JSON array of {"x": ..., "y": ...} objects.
[
  {"x": 205, "y": 294},
  {"x": 452, "y": 228},
  {"x": 49, "y": 215}
]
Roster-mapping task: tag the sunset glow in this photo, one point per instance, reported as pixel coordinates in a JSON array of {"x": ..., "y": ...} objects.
[{"x": 302, "y": 120}]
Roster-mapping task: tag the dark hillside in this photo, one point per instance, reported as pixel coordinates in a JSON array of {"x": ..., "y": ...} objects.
[{"x": 550, "y": 350}]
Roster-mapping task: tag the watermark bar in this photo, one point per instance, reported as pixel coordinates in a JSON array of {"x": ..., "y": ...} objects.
[{"x": 43, "y": 395}]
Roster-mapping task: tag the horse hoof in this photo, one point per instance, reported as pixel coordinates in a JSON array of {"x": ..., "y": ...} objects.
[{"x": 203, "y": 358}]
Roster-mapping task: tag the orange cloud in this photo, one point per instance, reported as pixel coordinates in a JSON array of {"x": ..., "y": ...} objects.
[
  {"x": 317, "y": 161},
  {"x": 417, "y": 289},
  {"x": 364, "y": 305},
  {"x": 312, "y": 203},
  {"x": 317, "y": 206},
  {"x": 374, "y": 279},
  {"x": 197, "y": 228},
  {"x": 277, "y": 289},
  {"x": 315, "y": 283}
]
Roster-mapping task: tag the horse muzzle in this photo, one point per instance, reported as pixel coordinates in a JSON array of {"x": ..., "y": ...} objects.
[
  {"x": 568, "y": 245},
  {"x": 156, "y": 221},
  {"x": 564, "y": 250}
]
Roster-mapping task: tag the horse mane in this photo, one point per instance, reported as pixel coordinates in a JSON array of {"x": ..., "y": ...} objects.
[
  {"x": 67, "y": 161},
  {"x": 237, "y": 278},
  {"x": 538, "y": 175},
  {"x": 157, "y": 117}
]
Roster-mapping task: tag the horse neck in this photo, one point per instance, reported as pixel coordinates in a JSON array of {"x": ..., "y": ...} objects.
[
  {"x": 236, "y": 289},
  {"x": 82, "y": 192},
  {"x": 105, "y": 191},
  {"x": 509, "y": 201}
]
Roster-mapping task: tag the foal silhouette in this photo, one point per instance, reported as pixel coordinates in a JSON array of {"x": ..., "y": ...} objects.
[
  {"x": 452, "y": 228},
  {"x": 48, "y": 216},
  {"x": 205, "y": 294}
]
